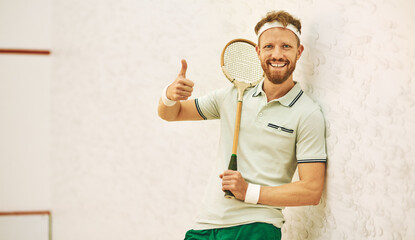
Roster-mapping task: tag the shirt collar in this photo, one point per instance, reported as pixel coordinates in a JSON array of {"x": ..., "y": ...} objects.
[
  {"x": 258, "y": 89},
  {"x": 288, "y": 99}
]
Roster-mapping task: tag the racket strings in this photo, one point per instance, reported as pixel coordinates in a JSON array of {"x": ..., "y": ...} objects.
[{"x": 242, "y": 63}]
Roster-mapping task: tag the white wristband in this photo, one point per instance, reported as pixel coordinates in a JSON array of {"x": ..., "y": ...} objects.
[
  {"x": 252, "y": 193},
  {"x": 164, "y": 98}
]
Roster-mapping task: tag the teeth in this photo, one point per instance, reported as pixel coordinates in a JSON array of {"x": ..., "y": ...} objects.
[{"x": 278, "y": 65}]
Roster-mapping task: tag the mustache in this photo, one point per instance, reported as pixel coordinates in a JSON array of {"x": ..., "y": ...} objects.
[{"x": 278, "y": 60}]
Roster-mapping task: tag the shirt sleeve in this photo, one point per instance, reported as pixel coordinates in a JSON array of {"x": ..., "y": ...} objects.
[
  {"x": 311, "y": 139},
  {"x": 209, "y": 105}
]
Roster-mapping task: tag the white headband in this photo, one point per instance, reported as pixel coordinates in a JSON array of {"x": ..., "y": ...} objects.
[{"x": 275, "y": 24}]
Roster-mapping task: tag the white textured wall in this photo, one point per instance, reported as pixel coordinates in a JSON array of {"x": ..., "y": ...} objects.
[
  {"x": 120, "y": 171},
  {"x": 24, "y": 106}
]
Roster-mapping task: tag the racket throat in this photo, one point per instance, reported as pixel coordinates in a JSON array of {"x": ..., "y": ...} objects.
[{"x": 241, "y": 86}]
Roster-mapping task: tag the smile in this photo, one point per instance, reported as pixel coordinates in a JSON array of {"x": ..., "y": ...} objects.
[{"x": 278, "y": 65}]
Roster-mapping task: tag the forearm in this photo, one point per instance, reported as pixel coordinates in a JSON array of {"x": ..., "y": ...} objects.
[
  {"x": 299, "y": 193},
  {"x": 168, "y": 113},
  {"x": 181, "y": 111}
]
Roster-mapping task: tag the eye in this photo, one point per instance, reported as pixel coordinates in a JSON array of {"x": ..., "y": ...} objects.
[
  {"x": 286, "y": 46},
  {"x": 268, "y": 46}
]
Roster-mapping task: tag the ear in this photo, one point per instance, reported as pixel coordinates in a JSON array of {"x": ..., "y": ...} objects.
[
  {"x": 257, "y": 50},
  {"x": 300, "y": 51}
]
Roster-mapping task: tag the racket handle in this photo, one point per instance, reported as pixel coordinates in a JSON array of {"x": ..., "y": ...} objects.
[
  {"x": 233, "y": 165},
  {"x": 229, "y": 195}
]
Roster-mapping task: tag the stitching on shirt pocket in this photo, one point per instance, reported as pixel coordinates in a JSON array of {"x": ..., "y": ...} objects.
[{"x": 279, "y": 127}]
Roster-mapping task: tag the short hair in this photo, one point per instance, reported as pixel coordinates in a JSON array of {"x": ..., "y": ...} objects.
[{"x": 282, "y": 17}]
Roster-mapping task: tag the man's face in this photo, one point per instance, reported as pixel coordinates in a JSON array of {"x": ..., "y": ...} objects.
[{"x": 278, "y": 52}]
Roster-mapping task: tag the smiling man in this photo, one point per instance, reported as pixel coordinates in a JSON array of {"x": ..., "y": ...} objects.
[{"x": 281, "y": 129}]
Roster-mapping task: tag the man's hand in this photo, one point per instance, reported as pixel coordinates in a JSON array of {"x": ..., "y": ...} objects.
[
  {"x": 234, "y": 182},
  {"x": 181, "y": 88}
]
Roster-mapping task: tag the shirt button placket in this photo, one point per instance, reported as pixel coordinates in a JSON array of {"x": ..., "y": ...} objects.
[{"x": 260, "y": 116}]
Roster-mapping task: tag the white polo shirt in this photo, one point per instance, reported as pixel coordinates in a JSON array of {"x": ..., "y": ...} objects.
[{"x": 274, "y": 137}]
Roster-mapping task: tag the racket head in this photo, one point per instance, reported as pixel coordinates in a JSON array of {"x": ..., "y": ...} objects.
[{"x": 240, "y": 62}]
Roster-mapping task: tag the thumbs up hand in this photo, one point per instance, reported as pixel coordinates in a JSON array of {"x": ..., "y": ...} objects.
[{"x": 181, "y": 88}]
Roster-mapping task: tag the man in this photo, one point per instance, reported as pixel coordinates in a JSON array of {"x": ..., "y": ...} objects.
[{"x": 281, "y": 128}]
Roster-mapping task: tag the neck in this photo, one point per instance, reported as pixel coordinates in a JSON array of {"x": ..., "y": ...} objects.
[{"x": 275, "y": 91}]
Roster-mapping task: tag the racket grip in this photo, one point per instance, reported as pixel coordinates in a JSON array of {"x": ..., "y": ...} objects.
[
  {"x": 233, "y": 165},
  {"x": 229, "y": 194}
]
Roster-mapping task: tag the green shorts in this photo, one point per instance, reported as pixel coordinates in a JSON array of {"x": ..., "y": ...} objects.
[{"x": 252, "y": 231}]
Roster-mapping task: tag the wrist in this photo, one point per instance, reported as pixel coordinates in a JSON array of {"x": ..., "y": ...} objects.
[
  {"x": 252, "y": 193},
  {"x": 165, "y": 99}
]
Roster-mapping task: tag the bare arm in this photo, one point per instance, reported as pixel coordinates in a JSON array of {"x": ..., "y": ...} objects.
[
  {"x": 180, "y": 90},
  {"x": 306, "y": 191}
]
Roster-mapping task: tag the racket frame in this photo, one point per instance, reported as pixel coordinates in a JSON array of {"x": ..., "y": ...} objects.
[{"x": 241, "y": 86}]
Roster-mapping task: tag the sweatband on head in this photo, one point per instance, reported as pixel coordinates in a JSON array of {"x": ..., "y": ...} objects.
[{"x": 275, "y": 24}]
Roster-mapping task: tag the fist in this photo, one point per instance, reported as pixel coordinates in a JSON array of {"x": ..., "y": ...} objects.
[
  {"x": 181, "y": 88},
  {"x": 234, "y": 182}
]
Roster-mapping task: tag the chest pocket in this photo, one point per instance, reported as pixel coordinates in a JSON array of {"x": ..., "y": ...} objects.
[
  {"x": 279, "y": 137},
  {"x": 280, "y": 128}
]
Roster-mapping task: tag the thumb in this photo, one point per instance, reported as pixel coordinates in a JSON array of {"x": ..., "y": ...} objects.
[{"x": 184, "y": 69}]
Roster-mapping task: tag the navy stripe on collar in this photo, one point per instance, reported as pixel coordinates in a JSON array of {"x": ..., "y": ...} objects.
[{"x": 296, "y": 98}]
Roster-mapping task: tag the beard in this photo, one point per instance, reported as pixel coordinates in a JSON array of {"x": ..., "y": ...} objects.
[{"x": 280, "y": 76}]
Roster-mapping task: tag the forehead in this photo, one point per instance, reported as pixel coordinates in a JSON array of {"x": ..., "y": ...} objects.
[{"x": 276, "y": 35}]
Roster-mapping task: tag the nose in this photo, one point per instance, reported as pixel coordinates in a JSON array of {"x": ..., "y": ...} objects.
[{"x": 277, "y": 53}]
